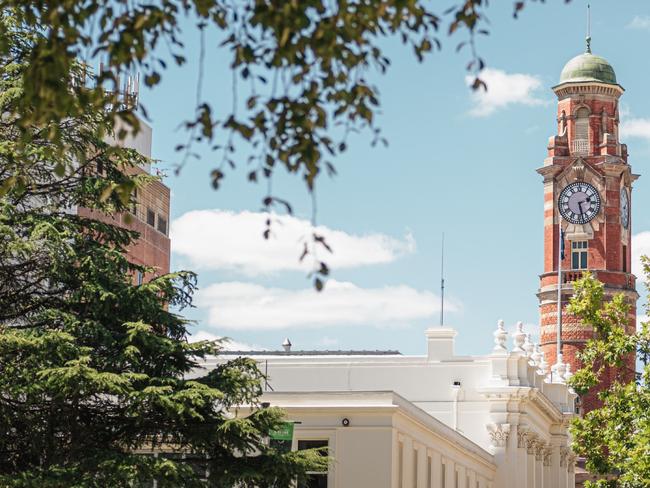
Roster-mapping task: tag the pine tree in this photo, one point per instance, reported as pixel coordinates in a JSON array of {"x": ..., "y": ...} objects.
[{"x": 92, "y": 367}]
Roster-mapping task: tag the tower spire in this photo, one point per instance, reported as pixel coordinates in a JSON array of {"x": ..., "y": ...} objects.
[{"x": 588, "y": 38}]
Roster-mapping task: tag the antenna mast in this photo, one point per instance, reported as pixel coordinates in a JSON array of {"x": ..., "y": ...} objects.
[{"x": 442, "y": 281}]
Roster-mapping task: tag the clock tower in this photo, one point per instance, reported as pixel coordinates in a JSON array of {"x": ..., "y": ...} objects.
[{"x": 587, "y": 197}]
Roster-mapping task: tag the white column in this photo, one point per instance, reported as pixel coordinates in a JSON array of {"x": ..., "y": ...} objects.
[
  {"x": 571, "y": 464},
  {"x": 462, "y": 477},
  {"x": 395, "y": 480},
  {"x": 530, "y": 462},
  {"x": 562, "y": 473},
  {"x": 499, "y": 435},
  {"x": 539, "y": 465},
  {"x": 450, "y": 473},
  {"x": 556, "y": 471},
  {"x": 511, "y": 456},
  {"x": 423, "y": 467},
  {"x": 471, "y": 476},
  {"x": 546, "y": 460},
  {"x": 407, "y": 463},
  {"x": 520, "y": 457},
  {"x": 436, "y": 470}
]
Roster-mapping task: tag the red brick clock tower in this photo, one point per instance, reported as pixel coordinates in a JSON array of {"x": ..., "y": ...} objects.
[{"x": 588, "y": 192}]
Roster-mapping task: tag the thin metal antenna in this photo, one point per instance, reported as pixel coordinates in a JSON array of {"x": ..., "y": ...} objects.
[
  {"x": 588, "y": 28},
  {"x": 442, "y": 281}
]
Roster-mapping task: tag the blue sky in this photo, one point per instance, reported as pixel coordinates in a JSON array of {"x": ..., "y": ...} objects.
[{"x": 456, "y": 163}]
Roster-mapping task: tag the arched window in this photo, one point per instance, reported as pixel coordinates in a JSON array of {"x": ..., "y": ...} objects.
[{"x": 581, "y": 135}]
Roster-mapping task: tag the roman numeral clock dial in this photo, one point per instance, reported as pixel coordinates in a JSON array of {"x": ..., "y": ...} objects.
[{"x": 579, "y": 202}]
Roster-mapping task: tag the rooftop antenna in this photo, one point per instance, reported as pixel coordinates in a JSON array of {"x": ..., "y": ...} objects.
[
  {"x": 442, "y": 281},
  {"x": 588, "y": 39}
]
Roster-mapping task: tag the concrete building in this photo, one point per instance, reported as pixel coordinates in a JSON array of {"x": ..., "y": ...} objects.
[
  {"x": 149, "y": 215},
  {"x": 432, "y": 421}
]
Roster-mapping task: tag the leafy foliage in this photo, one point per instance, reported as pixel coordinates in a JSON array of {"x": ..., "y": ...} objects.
[
  {"x": 94, "y": 369},
  {"x": 614, "y": 438},
  {"x": 306, "y": 66}
]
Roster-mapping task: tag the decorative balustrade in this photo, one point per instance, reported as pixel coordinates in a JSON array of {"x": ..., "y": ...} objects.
[
  {"x": 571, "y": 276},
  {"x": 580, "y": 147}
]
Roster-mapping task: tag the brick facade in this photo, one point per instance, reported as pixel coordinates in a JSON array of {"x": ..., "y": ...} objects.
[
  {"x": 149, "y": 216},
  {"x": 600, "y": 160}
]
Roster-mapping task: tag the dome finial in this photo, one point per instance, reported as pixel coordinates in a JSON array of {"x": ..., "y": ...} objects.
[{"x": 588, "y": 39}]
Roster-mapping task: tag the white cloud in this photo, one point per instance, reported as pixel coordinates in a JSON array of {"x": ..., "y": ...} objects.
[
  {"x": 229, "y": 345},
  {"x": 328, "y": 341},
  {"x": 639, "y": 22},
  {"x": 635, "y": 128},
  {"x": 221, "y": 239},
  {"x": 504, "y": 89},
  {"x": 640, "y": 247},
  {"x": 236, "y": 305}
]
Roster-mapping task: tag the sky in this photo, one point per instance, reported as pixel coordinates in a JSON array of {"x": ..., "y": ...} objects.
[{"x": 458, "y": 162}]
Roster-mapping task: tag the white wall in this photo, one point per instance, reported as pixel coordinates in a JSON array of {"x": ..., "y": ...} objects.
[{"x": 381, "y": 425}]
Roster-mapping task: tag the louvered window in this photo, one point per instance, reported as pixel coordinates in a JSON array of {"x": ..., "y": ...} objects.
[{"x": 581, "y": 136}]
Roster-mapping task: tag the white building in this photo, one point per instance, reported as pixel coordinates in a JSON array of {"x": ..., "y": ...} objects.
[{"x": 437, "y": 420}]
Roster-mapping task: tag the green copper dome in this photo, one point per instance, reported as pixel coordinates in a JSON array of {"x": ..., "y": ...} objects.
[{"x": 587, "y": 67}]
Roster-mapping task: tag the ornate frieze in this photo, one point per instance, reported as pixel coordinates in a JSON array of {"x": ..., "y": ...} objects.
[
  {"x": 539, "y": 450},
  {"x": 571, "y": 462},
  {"x": 546, "y": 454},
  {"x": 564, "y": 453},
  {"x": 531, "y": 443},
  {"x": 499, "y": 434},
  {"x": 522, "y": 433}
]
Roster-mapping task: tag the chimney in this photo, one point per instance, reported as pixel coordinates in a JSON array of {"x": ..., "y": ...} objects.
[
  {"x": 286, "y": 345},
  {"x": 440, "y": 343}
]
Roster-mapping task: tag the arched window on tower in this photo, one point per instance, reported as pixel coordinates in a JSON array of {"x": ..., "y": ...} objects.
[{"x": 580, "y": 145}]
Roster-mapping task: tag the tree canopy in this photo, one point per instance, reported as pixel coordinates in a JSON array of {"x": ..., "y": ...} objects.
[
  {"x": 93, "y": 368},
  {"x": 306, "y": 67},
  {"x": 614, "y": 438}
]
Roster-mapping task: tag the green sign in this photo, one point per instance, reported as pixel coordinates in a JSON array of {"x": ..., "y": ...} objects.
[{"x": 284, "y": 433}]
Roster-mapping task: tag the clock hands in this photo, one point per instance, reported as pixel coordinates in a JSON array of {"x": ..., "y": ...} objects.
[
  {"x": 577, "y": 195},
  {"x": 581, "y": 211}
]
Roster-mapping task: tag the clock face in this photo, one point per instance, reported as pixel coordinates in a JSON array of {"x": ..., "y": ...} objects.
[
  {"x": 625, "y": 208},
  {"x": 579, "y": 202}
]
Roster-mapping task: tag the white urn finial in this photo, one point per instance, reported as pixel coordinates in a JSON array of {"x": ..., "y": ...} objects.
[
  {"x": 567, "y": 372},
  {"x": 500, "y": 337},
  {"x": 543, "y": 366},
  {"x": 560, "y": 369},
  {"x": 529, "y": 347},
  {"x": 518, "y": 338},
  {"x": 537, "y": 355}
]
